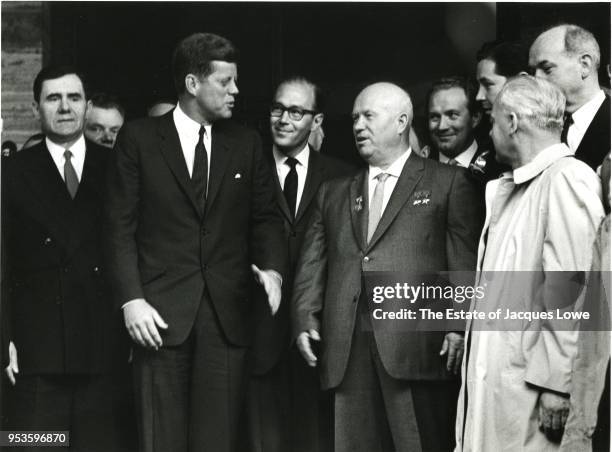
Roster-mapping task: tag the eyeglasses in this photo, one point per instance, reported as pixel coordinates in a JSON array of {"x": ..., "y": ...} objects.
[{"x": 295, "y": 113}]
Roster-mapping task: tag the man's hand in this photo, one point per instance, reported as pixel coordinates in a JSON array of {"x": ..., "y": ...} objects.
[
  {"x": 553, "y": 410},
  {"x": 271, "y": 282},
  {"x": 303, "y": 344},
  {"x": 13, "y": 367},
  {"x": 453, "y": 345},
  {"x": 141, "y": 321}
]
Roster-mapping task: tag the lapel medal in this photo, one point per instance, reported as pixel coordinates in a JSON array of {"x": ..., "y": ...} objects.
[{"x": 358, "y": 203}]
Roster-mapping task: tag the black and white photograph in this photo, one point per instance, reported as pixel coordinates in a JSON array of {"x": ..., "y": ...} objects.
[{"x": 305, "y": 226}]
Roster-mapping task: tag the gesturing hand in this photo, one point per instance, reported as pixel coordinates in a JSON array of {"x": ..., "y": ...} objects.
[
  {"x": 141, "y": 321},
  {"x": 303, "y": 344},
  {"x": 271, "y": 282}
]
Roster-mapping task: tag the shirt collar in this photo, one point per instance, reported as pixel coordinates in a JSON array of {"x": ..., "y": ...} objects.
[
  {"x": 584, "y": 115},
  {"x": 302, "y": 156},
  {"x": 395, "y": 169},
  {"x": 465, "y": 158},
  {"x": 185, "y": 125},
  {"x": 543, "y": 160},
  {"x": 57, "y": 151}
]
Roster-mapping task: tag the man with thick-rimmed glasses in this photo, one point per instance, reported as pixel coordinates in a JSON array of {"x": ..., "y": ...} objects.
[{"x": 279, "y": 375}]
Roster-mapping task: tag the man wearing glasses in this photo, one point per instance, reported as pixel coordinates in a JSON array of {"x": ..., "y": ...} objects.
[{"x": 284, "y": 392}]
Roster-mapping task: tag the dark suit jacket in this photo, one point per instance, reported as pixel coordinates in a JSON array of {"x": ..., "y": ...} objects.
[
  {"x": 56, "y": 299},
  {"x": 439, "y": 236},
  {"x": 595, "y": 144},
  {"x": 164, "y": 249},
  {"x": 273, "y": 334}
]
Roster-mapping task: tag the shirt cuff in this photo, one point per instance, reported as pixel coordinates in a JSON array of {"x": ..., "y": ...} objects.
[{"x": 128, "y": 302}]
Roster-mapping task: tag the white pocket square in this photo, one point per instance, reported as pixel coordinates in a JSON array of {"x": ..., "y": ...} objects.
[{"x": 237, "y": 176}]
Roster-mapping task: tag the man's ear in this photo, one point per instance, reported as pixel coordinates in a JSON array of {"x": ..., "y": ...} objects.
[
  {"x": 586, "y": 65},
  {"x": 514, "y": 120},
  {"x": 191, "y": 84},
  {"x": 476, "y": 118},
  {"x": 317, "y": 121},
  {"x": 403, "y": 122},
  {"x": 36, "y": 109},
  {"x": 88, "y": 108}
]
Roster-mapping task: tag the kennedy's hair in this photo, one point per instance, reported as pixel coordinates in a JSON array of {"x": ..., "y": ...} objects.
[
  {"x": 194, "y": 54},
  {"x": 467, "y": 84},
  {"x": 534, "y": 100},
  {"x": 107, "y": 102},
  {"x": 51, "y": 73},
  {"x": 319, "y": 101},
  {"x": 510, "y": 58}
]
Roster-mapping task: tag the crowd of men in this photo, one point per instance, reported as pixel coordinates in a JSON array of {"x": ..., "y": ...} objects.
[{"x": 173, "y": 284}]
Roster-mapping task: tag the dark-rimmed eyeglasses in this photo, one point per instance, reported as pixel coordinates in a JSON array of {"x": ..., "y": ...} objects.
[{"x": 295, "y": 113}]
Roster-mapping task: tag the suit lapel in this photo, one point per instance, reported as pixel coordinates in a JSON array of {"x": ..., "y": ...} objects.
[
  {"x": 358, "y": 205},
  {"x": 220, "y": 157},
  {"x": 410, "y": 176},
  {"x": 48, "y": 187},
  {"x": 314, "y": 177},
  {"x": 170, "y": 147}
]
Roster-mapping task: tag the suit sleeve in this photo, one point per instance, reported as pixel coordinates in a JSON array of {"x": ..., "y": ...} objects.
[
  {"x": 311, "y": 272},
  {"x": 464, "y": 222},
  {"x": 267, "y": 238},
  {"x": 574, "y": 214},
  {"x": 121, "y": 217}
]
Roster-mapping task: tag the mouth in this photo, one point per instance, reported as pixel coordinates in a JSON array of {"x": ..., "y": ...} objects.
[
  {"x": 445, "y": 137},
  {"x": 361, "y": 139},
  {"x": 63, "y": 120}
]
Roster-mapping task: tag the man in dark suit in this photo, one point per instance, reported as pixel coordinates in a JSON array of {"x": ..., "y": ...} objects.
[
  {"x": 404, "y": 213},
  {"x": 191, "y": 206},
  {"x": 453, "y": 115},
  {"x": 569, "y": 57},
  {"x": 57, "y": 313},
  {"x": 284, "y": 395}
]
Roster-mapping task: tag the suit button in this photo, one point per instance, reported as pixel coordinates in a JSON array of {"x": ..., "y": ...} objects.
[
  {"x": 65, "y": 269},
  {"x": 58, "y": 300},
  {"x": 204, "y": 231},
  {"x": 48, "y": 241},
  {"x": 366, "y": 259},
  {"x": 96, "y": 270}
]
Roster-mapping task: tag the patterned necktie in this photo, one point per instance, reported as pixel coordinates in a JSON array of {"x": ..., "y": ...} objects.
[
  {"x": 376, "y": 206},
  {"x": 568, "y": 120},
  {"x": 70, "y": 175},
  {"x": 291, "y": 185},
  {"x": 199, "y": 175}
]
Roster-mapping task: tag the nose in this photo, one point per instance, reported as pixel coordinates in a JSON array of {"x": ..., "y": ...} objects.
[
  {"x": 64, "y": 105},
  {"x": 358, "y": 124},
  {"x": 443, "y": 124},
  {"x": 234, "y": 88},
  {"x": 481, "y": 93},
  {"x": 108, "y": 137}
]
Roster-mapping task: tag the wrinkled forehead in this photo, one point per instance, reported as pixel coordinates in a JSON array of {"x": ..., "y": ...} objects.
[{"x": 67, "y": 84}]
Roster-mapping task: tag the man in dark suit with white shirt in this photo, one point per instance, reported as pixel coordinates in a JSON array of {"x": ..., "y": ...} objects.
[
  {"x": 287, "y": 411},
  {"x": 57, "y": 321},
  {"x": 453, "y": 115},
  {"x": 402, "y": 214},
  {"x": 191, "y": 206},
  {"x": 569, "y": 56}
]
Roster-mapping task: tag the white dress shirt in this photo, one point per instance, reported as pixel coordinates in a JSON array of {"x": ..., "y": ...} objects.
[
  {"x": 465, "y": 158},
  {"x": 582, "y": 119},
  {"x": 77, "y": 159},
  {"x": 393, "y": 171},
  {"x": 301, "y": 168},
  {"x": 189, "y": 135}
]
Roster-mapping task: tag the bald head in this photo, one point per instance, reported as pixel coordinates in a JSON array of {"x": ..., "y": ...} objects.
[
  {"x": 382, "y": 115},
  {"x": 568, "y": 56}
]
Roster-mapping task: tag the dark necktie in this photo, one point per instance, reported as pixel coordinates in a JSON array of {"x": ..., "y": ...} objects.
[
  {"x": 568, "y": 120},
  {"x": 70, "y": 175},
  {"x": 291, "y": 185},
  {"x": 199, "y": 175}
]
